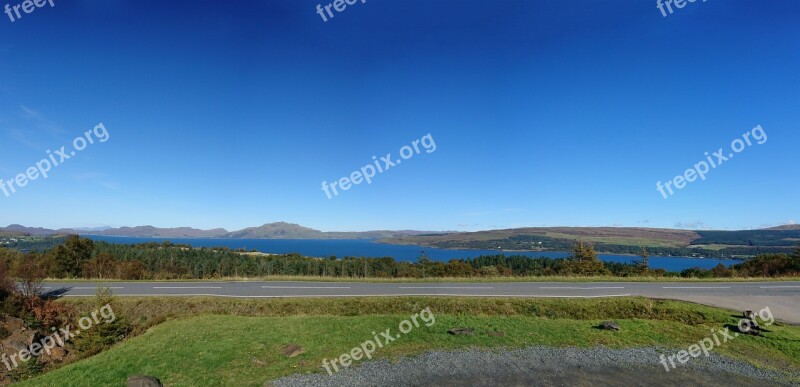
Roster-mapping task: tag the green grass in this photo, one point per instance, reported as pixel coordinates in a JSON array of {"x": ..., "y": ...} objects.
[
  {"x": 715, "y": 247},
  {"x": 618, "y": 240},
  {"x": 144, "y": 310},
  {"x": 213, "y": 342}
]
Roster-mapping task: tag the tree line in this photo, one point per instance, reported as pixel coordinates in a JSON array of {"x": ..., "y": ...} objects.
[{"x": 79, "y": 257}]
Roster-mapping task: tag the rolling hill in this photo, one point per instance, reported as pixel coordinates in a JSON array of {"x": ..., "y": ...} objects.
[
  {"x": 615, "y": 240},
  {"x": 277, "y": 230}
]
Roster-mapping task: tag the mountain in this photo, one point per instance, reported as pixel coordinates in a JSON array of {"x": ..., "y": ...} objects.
[
  {"x": 140, "y": 232},
  {"x": 151, "y": 232},
  {"x": 16, "y": 229},
  {"x": 92, "y": 229},
  {"x": 786, "y": 227},
  {"x": 278, "y": 230},
  {"x": 283, "y": 230},
  {"x": 529, "y": 238}
]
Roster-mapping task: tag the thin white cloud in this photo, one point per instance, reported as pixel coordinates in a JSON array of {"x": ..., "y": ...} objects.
[
  {"x": 36, "y": 126},
  {"x": 111, "y": 186},
  {"x": 24, "y": 138},
  {"x": 495, "y": 212},
  {"x": 84, "y": 176},
  {"x": 698, "y": 225}
]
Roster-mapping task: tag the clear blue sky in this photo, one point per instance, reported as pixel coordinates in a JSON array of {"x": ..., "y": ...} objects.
[{"x": 544, "y": 113}]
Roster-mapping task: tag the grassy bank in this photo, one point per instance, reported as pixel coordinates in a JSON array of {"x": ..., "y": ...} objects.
[{"x": 209, "y": 341}]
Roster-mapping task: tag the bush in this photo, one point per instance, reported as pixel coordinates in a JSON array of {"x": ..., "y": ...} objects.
[
  {"x": 489, "y": 271},
  {"x": 767, "y": 265},
  {"x": 105, "y": 333},
  {"x": 14, "y": 305},
  {"x": 51, "y": 314},
  {"x": 583, "y": 261},
  {"x": 27, "y": 370},
  {"x": 6, "y": 283}
]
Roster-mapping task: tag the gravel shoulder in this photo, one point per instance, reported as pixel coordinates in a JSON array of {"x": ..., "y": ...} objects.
[{"x": 546, "y": 366}]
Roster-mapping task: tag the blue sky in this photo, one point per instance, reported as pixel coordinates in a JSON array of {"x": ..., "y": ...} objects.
[{"x": 544, "y": 113}]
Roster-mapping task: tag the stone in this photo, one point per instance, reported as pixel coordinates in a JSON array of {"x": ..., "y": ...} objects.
[
  {"x": 144, "y": 381},
  {"x": 461, "y": 331},
  {"x": 18, "y": 341},
  {"x": 57, "y": 354},
  {"x": 609, "y": 325},
  {"x": 293, "y": 350},
  {"x": 12, "y": 324},
  {"x": 750, "y": 327}
]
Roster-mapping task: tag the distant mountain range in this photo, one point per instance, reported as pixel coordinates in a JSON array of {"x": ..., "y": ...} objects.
[
  {"x": 612, "y": 240},
  {"x": 278, "y": 230}
]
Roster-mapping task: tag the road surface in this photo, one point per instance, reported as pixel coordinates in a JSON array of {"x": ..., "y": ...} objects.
[{"x": 783, "y": 298}]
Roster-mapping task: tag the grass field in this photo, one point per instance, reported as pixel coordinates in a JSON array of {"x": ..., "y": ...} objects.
[
  {"x": 632, "y": 236},
  {"x": 213, "y": 342},
  {"x": 619, "y": 240}
]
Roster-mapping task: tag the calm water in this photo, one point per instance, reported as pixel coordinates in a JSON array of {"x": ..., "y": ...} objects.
[{"x": 368, "y": 248}]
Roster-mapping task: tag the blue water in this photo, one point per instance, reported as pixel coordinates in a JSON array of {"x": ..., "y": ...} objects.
[{"x": 367, "y": 248}]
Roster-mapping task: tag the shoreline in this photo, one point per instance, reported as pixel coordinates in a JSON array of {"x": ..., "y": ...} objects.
[{"x": 382, "y": 242}]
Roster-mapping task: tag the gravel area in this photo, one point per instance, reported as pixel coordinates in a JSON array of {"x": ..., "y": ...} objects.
[{"x": 544, "y": 366}]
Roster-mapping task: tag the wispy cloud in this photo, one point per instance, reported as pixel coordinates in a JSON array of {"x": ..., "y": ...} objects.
[
  {"x": 34, "y": 130},
  {"x": 42, "y": 123},
  {"x": 99, "y": 178},
  {"x": 111, "y": 186},
  {"x": 790, "y": 222},
  {"x": 24, "y": 138},
  {"x": 84, "y": 176},
  {"x": 495, "y": 212},
  {"x": 698, "y": 225}
]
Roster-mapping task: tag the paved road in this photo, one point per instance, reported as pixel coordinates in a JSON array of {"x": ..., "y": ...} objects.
[{"x": 783, "y": 298}]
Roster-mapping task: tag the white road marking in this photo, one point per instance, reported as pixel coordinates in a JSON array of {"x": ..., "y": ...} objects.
[
  {"x": 305, "y": 287},
  {"x": 92, "y": 288},
  {"x": 779, "y": 287},
  {"x": 187, "y": 287},
  {"x": 446, "y": 287},
  {"x": 579, "y": 288},
  {"x": 696, "y": 287}
]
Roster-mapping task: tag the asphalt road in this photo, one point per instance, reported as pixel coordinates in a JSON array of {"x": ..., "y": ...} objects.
[{"x": 783, "y": 298}]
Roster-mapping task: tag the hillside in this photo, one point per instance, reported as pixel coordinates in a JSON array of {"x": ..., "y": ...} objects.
[
  {"x": 277, "y": 230},
  {"x": 150, "y": 231},
  {"x": 613, "y": 240},
  {"x": 786, "y": 227},
  {"x": 617, "y": 235},
  {"x": 202, "y": 343},
  {"x": 621, "y": 240}
]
